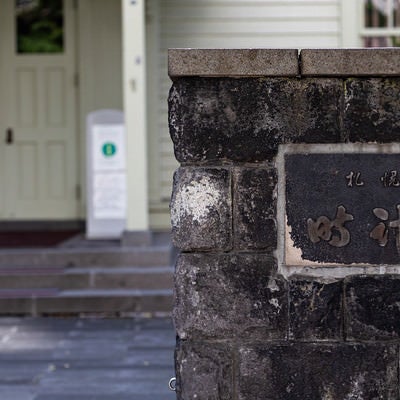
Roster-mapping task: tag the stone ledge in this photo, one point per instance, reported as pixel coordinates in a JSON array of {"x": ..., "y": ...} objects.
[
  {"x": 350, "y": 62},
  {"x": 232, "y": 62},
  {"x": 283, "y": 62}
]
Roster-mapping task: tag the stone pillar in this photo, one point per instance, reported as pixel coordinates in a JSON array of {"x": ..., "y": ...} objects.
[{"x": 266, "y": 308}]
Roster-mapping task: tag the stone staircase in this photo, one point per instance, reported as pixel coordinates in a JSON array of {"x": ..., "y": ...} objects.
[{"x": 82, "y": 276}]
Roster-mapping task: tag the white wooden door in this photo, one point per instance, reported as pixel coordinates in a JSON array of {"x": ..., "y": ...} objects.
[{"x": 38, "y": 136}]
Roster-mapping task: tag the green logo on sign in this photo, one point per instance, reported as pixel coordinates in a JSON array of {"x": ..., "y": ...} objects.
[{"x": 109, "y": 149}]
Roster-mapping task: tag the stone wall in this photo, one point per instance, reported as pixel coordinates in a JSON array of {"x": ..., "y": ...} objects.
[{"x": 245, "y": 331}]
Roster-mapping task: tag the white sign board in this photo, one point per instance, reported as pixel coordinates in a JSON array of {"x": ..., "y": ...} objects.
[{"x": 106, "y": 174}]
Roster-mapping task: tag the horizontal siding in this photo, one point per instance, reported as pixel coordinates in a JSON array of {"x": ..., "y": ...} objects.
[
  {"x": 311, "y": 40},
  {"x": 244, "y": 11},
  {"x": 246, "y": 3},
  {"x": 256, "y": 28},
  {"x": 235, "y": 24}
]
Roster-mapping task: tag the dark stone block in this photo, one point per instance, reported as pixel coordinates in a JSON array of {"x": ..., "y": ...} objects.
[
  {"x": 201, "y": 209},
  {"x": 254, "y": 208},
  {"x": 372, "y": 307},
  {"x": 225, "y": 296},
  {"x": 318, "y": 371},
  {"x": 246, "y": 119},
  {"x": 315, "y": 309},
  {"x": 318, "y": 107},
  {"x": 234, "y": 119},
  {"x": 204, "y": 371},
  {"x": 372, "y": 110}
]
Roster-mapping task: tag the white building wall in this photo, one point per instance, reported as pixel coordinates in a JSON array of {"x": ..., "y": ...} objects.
[{"x": 233, "y": 24}]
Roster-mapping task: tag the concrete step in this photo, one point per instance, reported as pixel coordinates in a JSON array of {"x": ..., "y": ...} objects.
[
  {"x": 47, "y": 301},
  {"x": 83, "y": 276},
  {"x": 29, "y": 277},
  {"x": 68, "y": 257}
]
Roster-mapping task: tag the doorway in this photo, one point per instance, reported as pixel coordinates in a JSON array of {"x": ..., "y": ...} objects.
[{"x": 38, "y": 120}]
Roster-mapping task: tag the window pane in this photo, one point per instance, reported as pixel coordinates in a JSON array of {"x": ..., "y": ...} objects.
[
  {"x": 40, "y": 26},
  {"x": 376, "y": 13}
]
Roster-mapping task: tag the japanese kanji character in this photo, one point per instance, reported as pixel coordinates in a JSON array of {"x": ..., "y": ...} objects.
[
  {"x": 396, "y": 225},
  {"x": 354, "y": 178},
  {"x": 332, "y": 231},
  {"x": 380, "y": 232},
  {"x": 390, "y": 179}
]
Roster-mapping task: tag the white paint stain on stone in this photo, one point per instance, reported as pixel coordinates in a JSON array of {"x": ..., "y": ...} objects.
[
  {"x": 356, "y": 391},
  {"x": 196, "y": 200},
  {"x": 274, "y": 302},
  {"x": 328, "y": 393},
  {"x": 272, "y": 285}
]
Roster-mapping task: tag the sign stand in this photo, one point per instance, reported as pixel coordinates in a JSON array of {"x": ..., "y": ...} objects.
[{"x": 106, "y": 174}]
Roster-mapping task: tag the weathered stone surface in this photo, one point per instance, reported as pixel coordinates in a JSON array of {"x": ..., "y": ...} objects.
[
  {"x": 254, "y": 208},
  {"x": 315, "y": 309},
  {"x": 372, "y": 307},
  {"x": 201, "y": 209},
  {"x": 350, "y": 62},
  {"x": 318, "y": 108},
  {"x": 209, "y": 118},
  {"x": 318, "y": 371},
  {"x": 233, "y": 62},
  {"x": 204, "y": 371},
  {"x": 246, "y": 119},
  {"x": 227, "y": 295},
  {"x": 372, "y": 110}
]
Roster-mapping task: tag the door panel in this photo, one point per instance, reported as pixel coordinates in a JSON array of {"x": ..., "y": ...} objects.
[{"x": 40, "y": 172}]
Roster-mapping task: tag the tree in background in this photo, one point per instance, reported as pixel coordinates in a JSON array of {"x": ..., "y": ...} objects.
[{"x": 40, "y": 26}]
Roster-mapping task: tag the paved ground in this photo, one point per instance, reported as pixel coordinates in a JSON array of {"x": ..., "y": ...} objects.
[{"x": 86, "y": 359}]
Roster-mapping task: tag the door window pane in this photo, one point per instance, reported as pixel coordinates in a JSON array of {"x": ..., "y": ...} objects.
[{"x": 40, "y": 26}]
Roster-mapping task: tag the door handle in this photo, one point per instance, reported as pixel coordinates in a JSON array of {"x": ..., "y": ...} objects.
[{"x": 9, "y": 136}]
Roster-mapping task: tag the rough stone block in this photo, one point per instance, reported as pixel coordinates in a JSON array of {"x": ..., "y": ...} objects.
[
  {"x": 372, "y": 110},
  {"x": 372, "y": 307},
  {"x": 235, "y": 119},
  {"x": 233, "y": 62},
  {"x": 318, "y": 107},
  {"x": 301, "y": 371},
  {"x": 315, "y": 309},
  {"x": 226, "y": 295},
  {"x": 245, "y": 120},
  {"x": 201, "y": 209},
  {"x": 254, "y": 208},
  {"x": 350, "y": 62},
  {"x": 204, "y": 371}
]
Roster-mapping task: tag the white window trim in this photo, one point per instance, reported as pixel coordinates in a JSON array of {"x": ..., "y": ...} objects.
[
  {"x": 365, "y": 32},
  {"x": 352, "y": 14}
]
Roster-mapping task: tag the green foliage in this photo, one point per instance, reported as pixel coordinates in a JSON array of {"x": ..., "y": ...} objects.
[{"x": 40, "y": 28}]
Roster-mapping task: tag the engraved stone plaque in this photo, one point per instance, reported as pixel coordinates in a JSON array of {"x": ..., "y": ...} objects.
[{"x": 342, "y": 208}]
